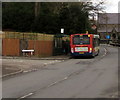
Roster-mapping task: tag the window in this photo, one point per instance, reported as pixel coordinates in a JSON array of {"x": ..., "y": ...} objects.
[{"x": 81, "y": 40}]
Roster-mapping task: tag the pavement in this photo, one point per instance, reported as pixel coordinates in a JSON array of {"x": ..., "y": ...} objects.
[
  {"x": 59, "y": 57},
  {"x": 15, "y": 65}
]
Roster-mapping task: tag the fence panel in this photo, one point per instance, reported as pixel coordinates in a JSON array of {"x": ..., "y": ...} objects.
[
  {"x": 42, "y": 48},
  {"x": 10, "y": 47}
]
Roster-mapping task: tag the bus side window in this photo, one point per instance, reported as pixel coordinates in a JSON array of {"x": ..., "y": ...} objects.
[{"x": 95, "y": 42}]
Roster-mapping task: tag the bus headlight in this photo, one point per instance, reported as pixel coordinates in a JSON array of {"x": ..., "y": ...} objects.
[{"x": 72, "y": 50}]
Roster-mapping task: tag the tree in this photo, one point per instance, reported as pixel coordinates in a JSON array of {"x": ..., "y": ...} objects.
[
  {"x": 17, "y": 16},
  {"x": 47, "y": 17}
]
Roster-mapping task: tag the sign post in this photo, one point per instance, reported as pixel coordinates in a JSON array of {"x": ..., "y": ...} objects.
[{"x": 108, "y": 36}]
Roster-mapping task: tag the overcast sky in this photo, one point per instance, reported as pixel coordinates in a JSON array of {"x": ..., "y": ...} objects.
[{"x": 111, "y": 6}]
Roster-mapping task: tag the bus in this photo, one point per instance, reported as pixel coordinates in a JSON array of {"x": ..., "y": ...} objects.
[{"x": 84, "y": 44}]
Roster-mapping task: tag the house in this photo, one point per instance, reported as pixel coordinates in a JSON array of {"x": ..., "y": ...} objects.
[{"x": 108, "y": 26}]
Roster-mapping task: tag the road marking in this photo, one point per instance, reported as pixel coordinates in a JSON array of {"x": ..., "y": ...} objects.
[
  {"x": 52, "y": 84},
  {"x": 105, "y": 52},
  {"x": 65, "y": 78},
  {"x": 25, "y": 96}
]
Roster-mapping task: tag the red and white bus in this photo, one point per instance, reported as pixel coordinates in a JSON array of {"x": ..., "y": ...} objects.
[{"x": 84, "y": 44}]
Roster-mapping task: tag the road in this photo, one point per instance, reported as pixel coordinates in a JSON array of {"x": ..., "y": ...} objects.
[{"x": 74, "y": 78}]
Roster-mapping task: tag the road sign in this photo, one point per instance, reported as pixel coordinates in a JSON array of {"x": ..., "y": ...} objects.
[
  {"x": 107, "y": 36},
  {"x": 94, "y": 26},
  {"x": 62, "y": 30}
]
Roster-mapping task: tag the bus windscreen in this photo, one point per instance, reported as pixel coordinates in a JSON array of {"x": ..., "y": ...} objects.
[{"x": 81, "y": 40}]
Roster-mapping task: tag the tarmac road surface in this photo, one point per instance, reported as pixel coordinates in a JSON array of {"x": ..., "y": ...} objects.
[{"x": 74, "y": 78}]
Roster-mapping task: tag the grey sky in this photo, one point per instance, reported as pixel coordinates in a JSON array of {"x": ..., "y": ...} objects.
[{"x": 111, "y": 6}]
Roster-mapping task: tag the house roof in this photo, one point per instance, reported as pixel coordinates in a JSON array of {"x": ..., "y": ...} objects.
[
  {"x": 109, "y": 18},
  {"x": 108, "y": 30}
]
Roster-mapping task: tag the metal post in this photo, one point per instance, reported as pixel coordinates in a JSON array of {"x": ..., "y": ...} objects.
[{"x": 107, "y": 28}]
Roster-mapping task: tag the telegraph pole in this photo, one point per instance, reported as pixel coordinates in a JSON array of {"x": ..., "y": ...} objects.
[{"x": 37, "y": 8}]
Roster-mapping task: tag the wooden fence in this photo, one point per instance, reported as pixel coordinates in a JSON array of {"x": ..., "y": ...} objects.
[
  {"x": 43, "y": 44},
  {"x": 14, "y": 42}
]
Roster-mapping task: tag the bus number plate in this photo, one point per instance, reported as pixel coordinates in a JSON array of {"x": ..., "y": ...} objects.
[{"x": 81, "y": 52}]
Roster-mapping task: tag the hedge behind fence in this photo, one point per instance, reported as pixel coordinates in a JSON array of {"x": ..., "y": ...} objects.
[{"x": 27, "y": 36}]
